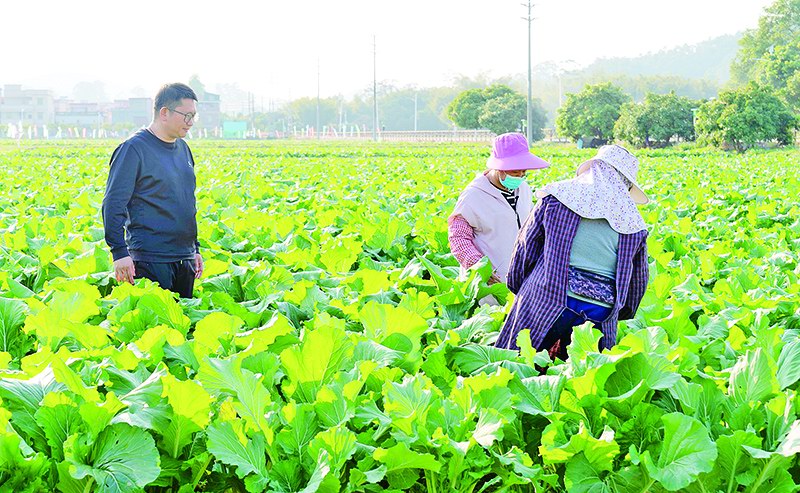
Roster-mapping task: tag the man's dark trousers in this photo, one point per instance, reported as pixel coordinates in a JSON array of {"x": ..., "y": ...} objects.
[{"x": 177, "y": 277}]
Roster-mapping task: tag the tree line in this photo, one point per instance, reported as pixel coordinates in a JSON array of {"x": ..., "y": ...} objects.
[{"x": 760, "y": 106}]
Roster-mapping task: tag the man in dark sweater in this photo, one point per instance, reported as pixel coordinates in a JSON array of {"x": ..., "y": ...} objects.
[{"x": 149, "y": 207}]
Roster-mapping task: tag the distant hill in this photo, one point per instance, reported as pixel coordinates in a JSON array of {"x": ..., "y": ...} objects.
[
  {"x": 709, "y": 60},
  {"x": 695, "y": 71}
]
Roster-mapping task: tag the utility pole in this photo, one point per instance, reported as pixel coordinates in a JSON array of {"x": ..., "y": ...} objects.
[
  {"x": 316, "y": 128},
  {"x": 341, "y": 111},
  {"x": 415, "y": 110},
  {"x": 374, "y": 90},
  {"x": 529, "y": 18},
  {"x": 253, "y": 113}
]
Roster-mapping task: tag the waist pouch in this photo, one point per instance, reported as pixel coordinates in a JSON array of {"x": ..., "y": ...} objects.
[{"x": 591, "y": 285}]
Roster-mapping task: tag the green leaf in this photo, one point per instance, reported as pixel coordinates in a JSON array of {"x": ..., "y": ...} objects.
[
  {"x": 339, "y": 443},
  {"x": 153, "y": 340},
  {"x": 229, "y": 305},
  {"x": 191, "y": 407},
  {"x": 261, "y": 338},
  {"x": 59, "y": 418},
  {"x": 141, "y": 386},
  {"x": 123, "y": 459},
  {"x": 789, "y": 446},
  {"x": 248, "y": 457},
  {"x": 65, "y": 314},
  {"x": 68, "y": 484},
  {"x": 320, "y": 475},
  {"x": 23, "y": 398},
  {"x": 134, "y": 314},
  {"x": 407, "y": 403},
  {"x": 489, "y": 428},
  {"x": 600, "y": 452},
  {"x": 210, "y": 329},
  {"x": 301, "y": 427},
  {"x": 687, "y": 451},
  {"x": 528, "y": 353},
  {"x": 338, "y": 257},
  {"x": 401, "y": 457},
  {"x": 582, "y": 477},
  {"x": 332, "y": 407},
  {"x": 780, "y": 417},
  {"x": 74, "y": 301},
  {"x": 524, "y": 471},
  {"x": 381, "y": 321},
  {"x": 12, "y": 316},
  {"x": 538, "y": 395},
  {"x": 474, "y": 358},
  {"x": 733, "y": 460},
  {"x": 585, "y": 340},
  {"x": 654, "y": 371},
  {"x": 252, "y": 398},
  {"x": 72, "y": 380},
  {"x": 633, "y": 378},
  {"x": 372, "y": 351},
  {"x": 789, "y": 364},
  {"x": 752, "y": 379},
  {"x": 310, "y": 366},
  {"x": 166, "y": 308},
  {"x": 97, "y": 415}
]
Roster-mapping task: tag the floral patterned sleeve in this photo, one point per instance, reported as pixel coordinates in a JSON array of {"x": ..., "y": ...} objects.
[{"x": 462, "y": 242}]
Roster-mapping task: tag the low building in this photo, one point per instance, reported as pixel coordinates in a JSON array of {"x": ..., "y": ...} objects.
[
  {"x": 79, "y": 114},
  {"x": 234, "y": 130},
  {"x": 133, "y": 112},
  {"x": 26, "y": 106},
  {"x": 208, "y": 110}
]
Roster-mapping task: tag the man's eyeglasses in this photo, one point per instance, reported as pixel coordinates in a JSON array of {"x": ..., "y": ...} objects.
[{"x": 187, "y": 117}]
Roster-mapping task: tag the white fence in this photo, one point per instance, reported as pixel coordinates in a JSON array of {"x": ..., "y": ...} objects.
[{"x": 395, "y": 136}]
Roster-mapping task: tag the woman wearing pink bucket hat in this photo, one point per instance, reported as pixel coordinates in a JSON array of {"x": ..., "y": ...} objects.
[
  {"x": 581, "y": 257},
  {"x": 493, "y": 207}
]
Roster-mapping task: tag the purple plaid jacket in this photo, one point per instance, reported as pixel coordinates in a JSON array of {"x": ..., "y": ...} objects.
[{"x": 538, "y": 275}]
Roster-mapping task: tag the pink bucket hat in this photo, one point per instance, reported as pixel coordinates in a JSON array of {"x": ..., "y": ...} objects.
[{"x": 510, "y": 152}]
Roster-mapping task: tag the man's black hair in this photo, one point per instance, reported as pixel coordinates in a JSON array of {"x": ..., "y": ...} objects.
[{"x": 170, "y": 96}]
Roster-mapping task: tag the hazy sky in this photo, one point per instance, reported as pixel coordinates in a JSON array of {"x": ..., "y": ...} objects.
[{"x": 271, "y": 48}]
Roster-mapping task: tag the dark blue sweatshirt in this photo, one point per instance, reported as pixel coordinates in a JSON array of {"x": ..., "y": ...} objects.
[{"x": 150, "y": 196}]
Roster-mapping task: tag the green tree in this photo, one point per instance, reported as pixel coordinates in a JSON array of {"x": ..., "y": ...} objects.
[
  {"x": 591, "y": 112},
  {"x": 397, "y": 110},
  {"x": 497, "y": 91},
  {"x": 497, "y": 108},
  {"x": 634, "y": 124},
  {"x": 744, "y": 117},
  {"x": 791, "y": 93},
  {"x": 780, "y": 65},
  {"x": 506, "y": 112},
  {"x": 466, "y": 108},
  {"x": 656, "y": 121},
  {"x": 779, "y": 26},
  {"x": 781, "y": 71},
  {"x": 198, "y": 87},
  {"x": 303, "y": 112}
]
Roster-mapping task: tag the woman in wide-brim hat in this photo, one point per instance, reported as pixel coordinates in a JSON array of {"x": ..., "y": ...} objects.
[
  {"x": 493, "y": 207},
  {"x": 581, "y": 256}
]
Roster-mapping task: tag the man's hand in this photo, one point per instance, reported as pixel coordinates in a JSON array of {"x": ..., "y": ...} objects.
[
  {"x": 124, "y": 270},
  {"x": 494, "y": 279},
  {"x": 198, "y": 266}
]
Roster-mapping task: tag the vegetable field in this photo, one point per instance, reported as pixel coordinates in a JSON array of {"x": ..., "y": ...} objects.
[{"x": 331, "y": 346}]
